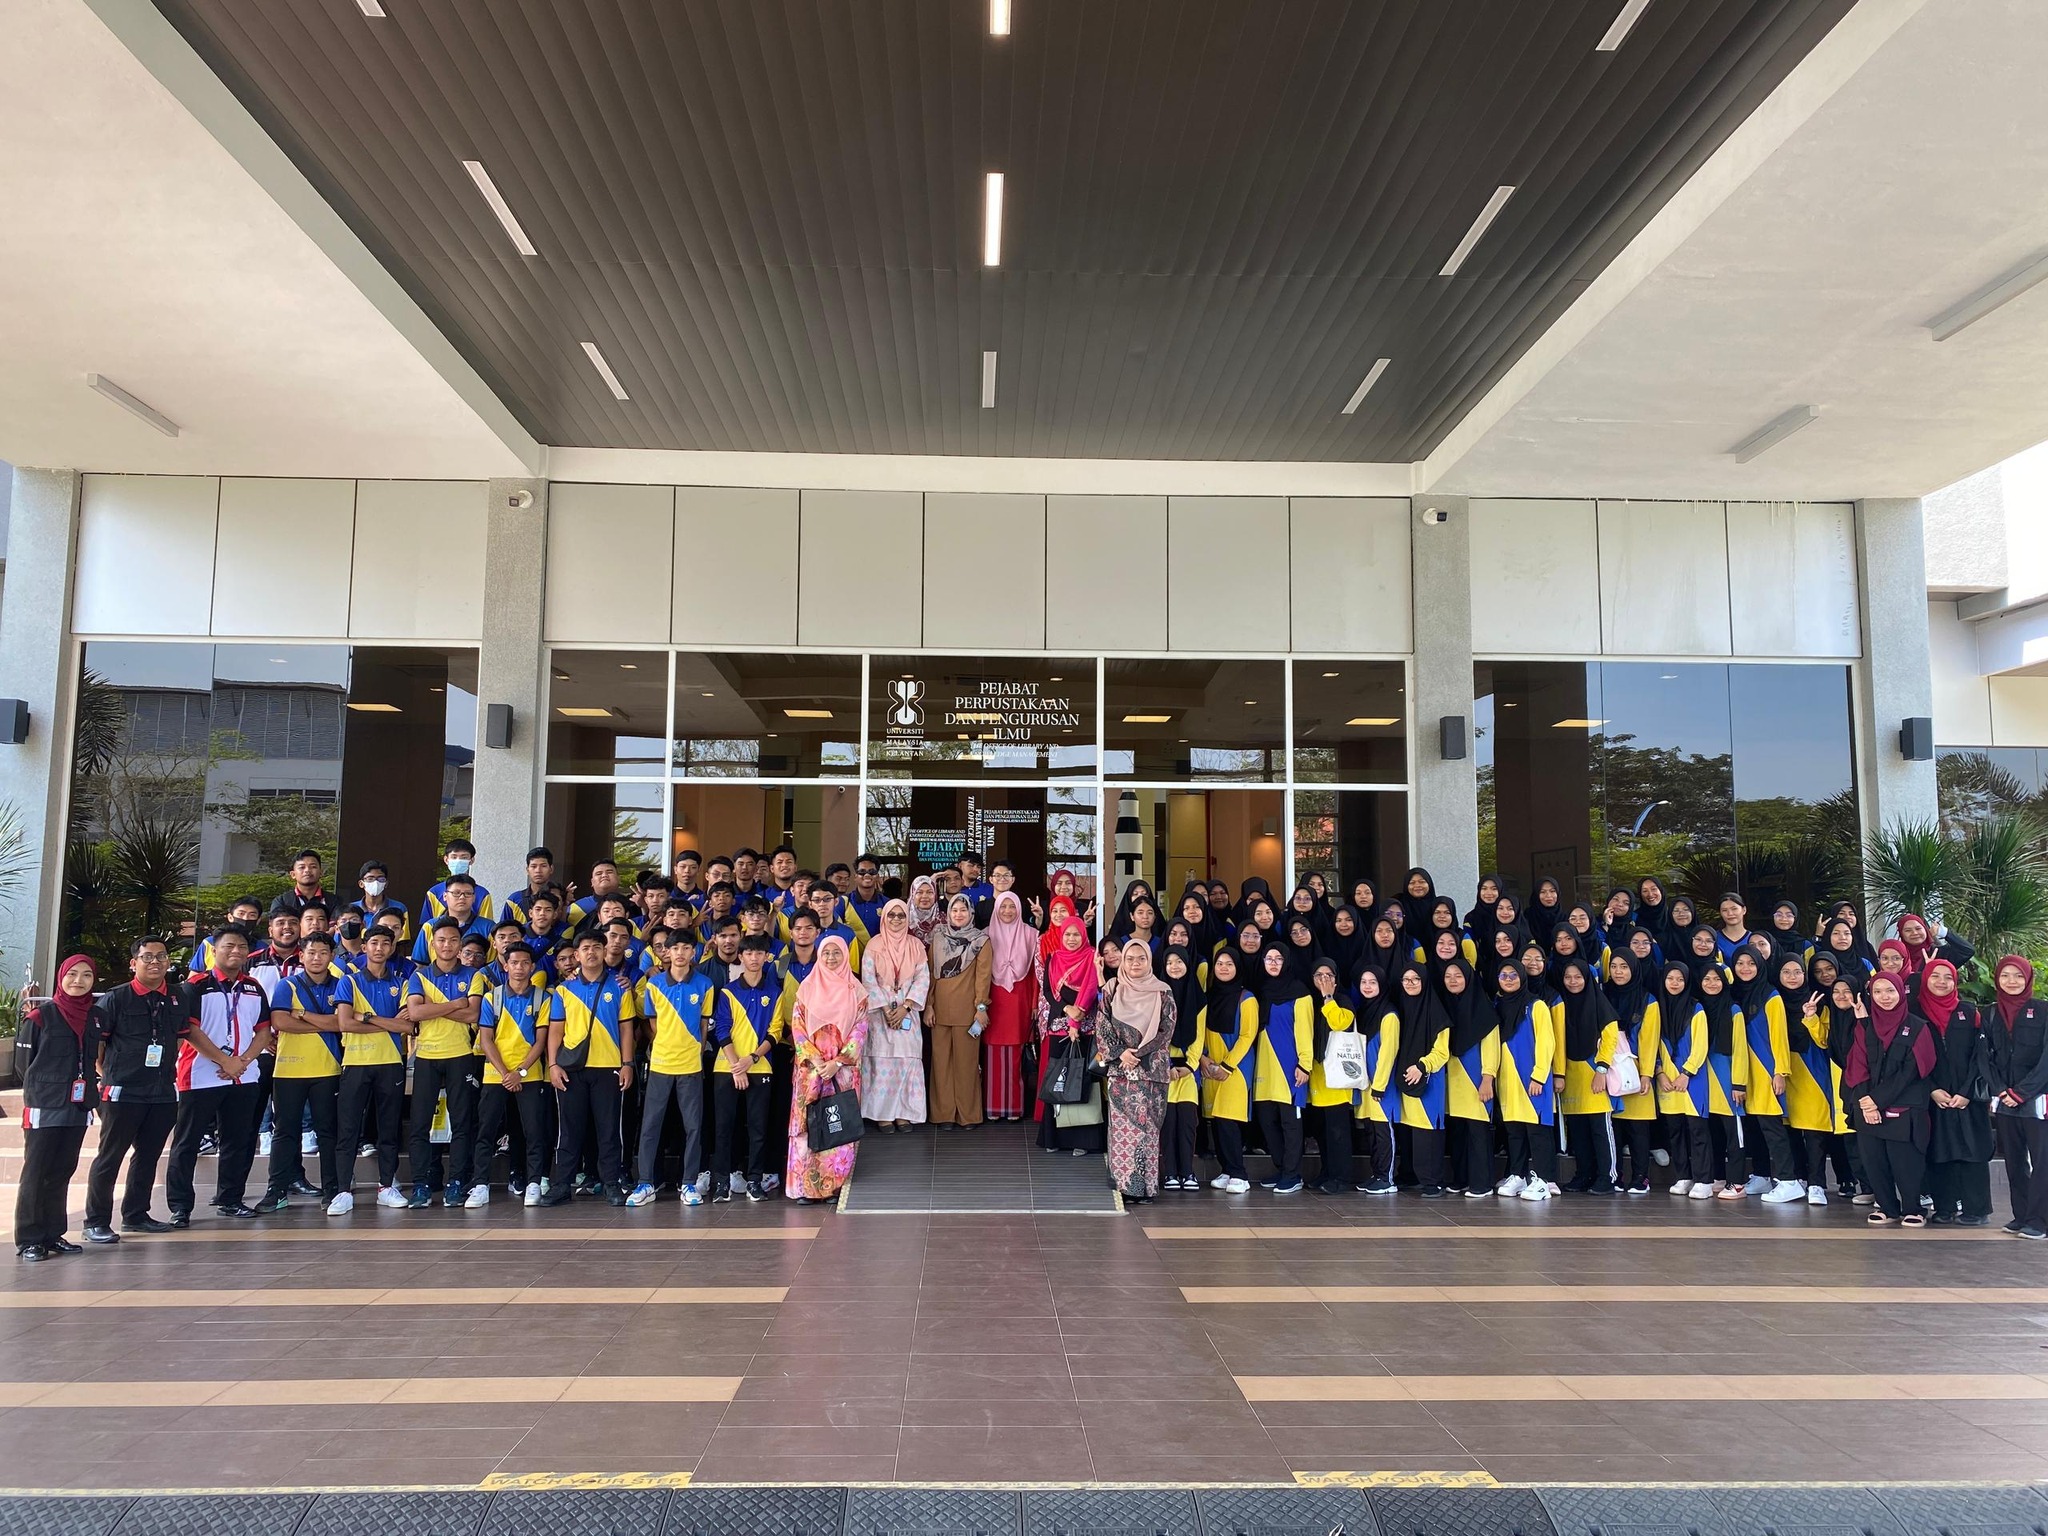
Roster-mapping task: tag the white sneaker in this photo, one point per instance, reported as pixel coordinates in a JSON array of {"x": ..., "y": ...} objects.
[
  {"x": 392, "y": 1197},
  {"x": 1237, "y": 1186},
  {"x": 309, "y": 1145},
  {"x": 1816, "y": 1194},
  {"x": 1756, "y": 1184},
  {"x": 1535, "y": 1189},
  {"x": 1511, "y": 1186},
  {"x": 1681, "y": 1187},
  {"x": 1660, "y": 1157},
  {"x": 478, "y": 1197},
  {"x": 771, "y": 1181},
  {"x": 704, "y": 1182},
  {"x": 643, "y": 1194},
  {"x": 263, "y": 1144},
  {"x": 532, "y": 1195},
  {"x": 737, "y": 1183},
  {"x": 341, "y": 1204},
  {"x": 1701, "y": 1190},
  {"x": 1784, "y": 1192},
  {"x": 1221, "y": 1181}
]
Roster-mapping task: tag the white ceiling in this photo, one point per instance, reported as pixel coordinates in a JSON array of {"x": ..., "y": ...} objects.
[
  {"x": 132, "y": 244},
  {"x": 1921, "y": 179}
]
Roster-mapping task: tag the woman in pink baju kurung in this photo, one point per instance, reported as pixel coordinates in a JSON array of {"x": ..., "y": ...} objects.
[{"x": 829, "y": 1028}]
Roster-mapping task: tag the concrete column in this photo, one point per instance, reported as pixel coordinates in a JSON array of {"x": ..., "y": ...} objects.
[
  {"x": 506, "y": 789},
  {"x": 1896, "y": 680},
  {"x": 36, "y": 664},
  {"x": 1446, "y": 793}
]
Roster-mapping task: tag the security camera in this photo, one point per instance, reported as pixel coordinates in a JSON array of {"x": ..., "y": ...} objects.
[
  {"x": 1435, "y": 516},
  {"x": 519, "y": 500}
]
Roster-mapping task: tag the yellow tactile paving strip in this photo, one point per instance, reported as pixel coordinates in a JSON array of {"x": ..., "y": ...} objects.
[
  {"x": 1466, "y": 1295},
  {"x": 261, "y": 1393},
  {"x": 1652, "y": 1387},
  {"x": 438, "y": 1296}
]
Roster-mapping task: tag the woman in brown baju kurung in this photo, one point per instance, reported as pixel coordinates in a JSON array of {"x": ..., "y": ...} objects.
[
  {"x": 1132, "y": 1039},
  {"x": 957, "y": 1012}
]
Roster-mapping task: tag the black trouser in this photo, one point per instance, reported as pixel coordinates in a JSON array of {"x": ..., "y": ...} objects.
[
  {"x": 1335, "y": 1140},
  {"x": 751, "y": 1105},
  {"x": 1280, "y": 1124},
  {"x": 589, "y": 1104},
  {"x": 1590, "y": 1139},
  {"x": 1532, "y": 1151},
  {"x": 2023, "y": 1143},
  {"x": 1177, "y": 1141},
  {"x": 529, "y": 1108},
  {"x": 1378, "y": 1138},
  {"x": 1960, "y": 1188},
  {"x": 1475, "y": 1151},
  {"x": 235, "y": 1108},
  {"x": 686, "y": 1092},
  {"x": 1769, "y": 1146},
  {"x": 47, "y": 1164},
  {"x": 1229, "y": 1135},
  {"x": 433, "y": 1076},
  {"x": 365, "y": 1088},
  {"x": 1426, "y": 1151},
  {"x": 1812, "y": 1148},
  {"x": 290, "y": 1098},
  {"x": 1633, "y": 1136},
  {"x": 1692, "y": 1149},
  {"x": 1895, "y": 1171},
  {"x": 142, "y": 1129}
]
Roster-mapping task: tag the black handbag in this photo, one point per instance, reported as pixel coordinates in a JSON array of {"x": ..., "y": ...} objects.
[
  {"x": 834, "y": 1120},
  {"x": 1067, "y": 1081}
]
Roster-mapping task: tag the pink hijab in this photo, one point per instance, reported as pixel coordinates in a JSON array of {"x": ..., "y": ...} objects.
[
  {"x": 833, "y": 1002},
  {"x": 896, "y": 955},
  {"x": 1011, "y": 943},
  {"x": 1074, "y": 968}
]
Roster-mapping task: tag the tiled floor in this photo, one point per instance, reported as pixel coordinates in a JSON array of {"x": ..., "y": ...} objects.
[{"x": 1204, "y": 1339}]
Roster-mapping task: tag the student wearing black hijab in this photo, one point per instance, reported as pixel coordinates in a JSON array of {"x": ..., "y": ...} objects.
[
  {"x": 1229, "y": 1035},
  {"x": 1415, "y": 1095},
  {"x": 1841, "y": 944},
  {"x": 1285, "y": 1056},
  {"x": 1346, "y": 945},
  {"x": 1653, "y": 912},
  {"x": 1682, "y": 1087},
  {"x": 1331, "y": 1107},
  {"x": 1508, "y": 916},
  {"x": 1182, "y": 974},
  {"x": 1302, "y": 948},
  {"x": 1526, "y": 1090},
  {"x": 1635, "y": 1114},
  {"x": 1727, "y": 1073},
  {"x": 1378, "y": 1021},
  {"x": 1442, "y": 919},
  {"x": 1366, "y": 897},
  {"x": 1386, "y": 951},
  {"x": 1590, "y": 1031},
  {"x": 1505, "y": 950},
  {"x": 1845, "y": 912},
  {"x": 1305, "y": 903},
  {"x": 1543, "y": 913},
  {"x": 1785, "y": 934},
  {"x": 1481, "y": 920},
  {"x": 1469, "y": 1075},
  {"x": 1120, "y": 924},
  {"x": 1251, "y": 891},
  {"x": 1618, "y": 914},
  {"x": 1418, "y": 892},
  {"x": 1205, "y": 933}
]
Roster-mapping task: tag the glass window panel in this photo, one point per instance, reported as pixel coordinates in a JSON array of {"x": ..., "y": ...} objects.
[
  {"x": 1977, "y": 783},
  {"x": 1542, "y": 806},
  {"x": 1665, "y": 750},
  {"x": 917, "y": 829},
  {"x": 620, "y": 822},
  {"x": 1350, "y": 722},
  {"x": 747, "y": 715},
  {"x": 1796, "y": 821},
  {"x": 608, "y": 712},
  {"x": 1186, "y": 721},
  {"x": 1348, "y": 835},
  {"x": 939, "y": 717}
]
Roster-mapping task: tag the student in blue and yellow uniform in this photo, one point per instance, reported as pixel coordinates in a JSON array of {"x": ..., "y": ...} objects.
[
  {"x": 308, "y": 1071},
  {"x": 1334, "y": 1104},
  {"x": 1589, "y": 1029},
  {"x": 590, "y": 1062},
  {"x": 540, "y": 880},
  {"x": 370, "y": 1010},
  {"x": 1381, "y": 1026},
  {"x": 1230, "y": 1033},
  {"x": 458, "y": 900},
  {"x": 511, "y": 1028},
  {"x": 460, "y": 855},
  {"x": 1280, "y": 1077},
  {"x": 1682, "y": 1088},
  {"x": 1727, "y": 1072},
  {"x": 1416, "y": 1089},
  {"x": 1469, "y": 1075},
  {"x": 1774, "y": 1173},
  {"x": 1811, "y": 1101},
  {"x": 1640, "y": 1024},
  {"x": 441, "y": 1003},
  {"x": 374, "y": 881},
  {"x": 1525, "y": 1088},
  {"x": 747, "y": 1019},
  {"x": 1184, "y": 979},
  {"x": 675, "y": 1001}
]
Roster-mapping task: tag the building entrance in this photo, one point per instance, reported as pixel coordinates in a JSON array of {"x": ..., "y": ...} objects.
[{"x": 1168, "y": 837}]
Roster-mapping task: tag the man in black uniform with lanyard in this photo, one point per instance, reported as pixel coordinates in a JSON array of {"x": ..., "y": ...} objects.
[{"x": 142, "y": 1024}]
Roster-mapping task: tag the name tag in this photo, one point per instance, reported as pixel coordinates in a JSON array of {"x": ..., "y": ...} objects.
[
  {"x": 78, "y": 1091},
  {"x": 154, "y": 1056}
]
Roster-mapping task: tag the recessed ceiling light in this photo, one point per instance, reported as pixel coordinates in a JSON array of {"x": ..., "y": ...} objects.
[
  {"x": 1365, "y": 387},
  {"x": 629, "y": 666},
  {"x": 1374, "y": 720},
  {"x": 998, "y": 18},
  {"x": 499, "y": 206},
  {"x": 2002, "y": 291},
  {"x": 1487, "y": 215},
  {"x": 710, "y": 695},
  {"x": 375, "y": 709},
  {"x": 436, "y": 690},
  {"x": 592, "y": 713},
  {"x": 604, "y": 370},
  {"x": 1774, "y": 432},
  {"x": 1056, "y": 679},
  {"x": 808, "y": 714},
  {"x": 1251, "y": 701},
  {"x": 1146, "y": 719},
  {"x": 100, "y": 384},
  {"x": 561, "y": 677},
  {"x": 992, "y": 221},
  {"x": 1630, "y": 15},
  {"x": 371, "y": 9},
  {"x": 1329, "y": 674},
  {"x": 278, "y": 661},
  {"x": 1511, "y": 706},
  {"x": 988, "y": 381},
  {"x": 1576, "y": 724}
]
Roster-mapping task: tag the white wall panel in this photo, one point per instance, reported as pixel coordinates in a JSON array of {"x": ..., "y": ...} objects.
[
  {"x": 2019, "y": 712},
  {"x": 861, "y": 571},
  {"x": 1106, "y": 587},
  {"x": 1349, "y": 580},
  {"x": 145, "y": 555},
  {"x": 728, "y": 541},
  {"x": 259, "y": 517},
  {"x": 395, "y": 597},
  {"x": 1664, "y": 578},
  {"x": 610, "y": 553},
  {"x": 984, "y": 570},
  {"x": 1227, "y": 573},
  {"x": 1535, "y": 578},
  {"x": 1962, "y": 695},
  {"x": 1792, "y": 578}
]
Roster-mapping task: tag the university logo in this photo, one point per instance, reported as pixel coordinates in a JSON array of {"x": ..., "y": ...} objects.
[{"x": 907, "y": 713}]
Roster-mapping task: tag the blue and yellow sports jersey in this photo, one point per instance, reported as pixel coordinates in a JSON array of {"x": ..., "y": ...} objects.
[
  {"x": 440, "y": 1039},
  {"x": 436, "y": 904},
  {"x": 1682, "y": 1053},
  {"x": 515, "y": 1021},
  {"x": 675, "y": 1011},
  {"x": 423, "y": 943},
  {"x": 373, "y": 997},
  {"x": 745, "y": 1019},
  {"x": 1286, "y": 1043},
  {"x": 303, "y": 1055},
  {"x": 595, "y": 1011},
  {"x": 1229, "y": 1043},
  {"x": 1527, "y": 1053}
]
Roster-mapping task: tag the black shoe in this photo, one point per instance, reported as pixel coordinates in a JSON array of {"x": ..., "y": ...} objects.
[
  {"x": 1973, "y": 1221},
  {"x": 240, "y": 1211},
  {"x": 558, "y": 1196},
  {"x": 150, "y": 1224},
  {"x": 2014, "y": 1225},
  {"x": 616, "y": 1195},
  {"x": 270, "y": 1205},
  {"x": 62, "y": 1245},
  {"x": 755, "y": 1193},
  {"x": 180, "y": 1220},
  {"x": 1431, "y": 1192},
  {"x": 102, "y": 1235},
  {"x": 721, "y": 1192},
  {"x": 301, "y": 1187},
  {"x": 1940, "y": 1218},
  {"x": 31, "y": 1253}
]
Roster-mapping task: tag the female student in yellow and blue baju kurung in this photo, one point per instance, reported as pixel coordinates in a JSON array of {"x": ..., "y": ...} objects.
[
  {"x": 1524, "y": 1090},
  {"x": 1590, "y": 1032},
  {"x": 1810, "y": 1096},
  {"x": 1381, "y": 1026},
  {"x": 1230, "y": 1032},
  {"x": 1184, "y": 977},
  {"x": 1285, "y": 1053},
  {"x": 1640, "y": 1027},
  {"x": 1682, "y": 1081},
  {"x": 1332, "y": 1017},
  {"x": 1469, "y": 1076},
  {"x": 1773, "y": 1172},
  {"x": 1727, "y": 1072},
  {"x": 1416, "y": 1090}
]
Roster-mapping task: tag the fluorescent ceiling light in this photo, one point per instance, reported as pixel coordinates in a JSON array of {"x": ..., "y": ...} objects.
[
  {"x": 499, "y": 206},
  {"x": 988, "y": 381},
  {"x": 808, "y": 714},
  {"x": 575, "y": 713},
  {"x": 1774, "y": 432},
  {"x": 992, "y": 221},
  {"x": 1578, "y": 725},
  {"x": 998, "y": 18},
  {"x": 1979, "y": 304},
  {"x": 1146, "y": 719},
  {"x": 1630, "y": 15},
  {"x": 101, "y": 384},
  {"x": 375, "y": 709},
  {"x": 1374, "y": 720},
  {"x": 1358, "y": 395},
  {"x": 1487, "y": 215},
  {"x": 605, "y": 370},
  {"x": 370, "y": 8}
]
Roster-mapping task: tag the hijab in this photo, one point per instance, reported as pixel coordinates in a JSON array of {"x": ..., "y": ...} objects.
[
  {"x": 1135, "y": 892},
  {"x": 1897, "y": 947},
  {"x": 1186, "y": 990},
  {"x": 1939, "y": 1010},
  {"x": 1886, "y": 1019},
  {"x": 1544, "y": 916},
  {"x": 1422, "y": 1020},
  {"x": 1720, "y": 1010},
  {"x": 1384, "y": 958},
  {"x": 1793, "y": 998},
  {"x": 73, "y": 1010},
  {"x": 1276, "y": 991},
  {"x": 1010, "y": 942},
  {"x": 1415, "y": 909},
  {"x": 1226, "y": 993},
  {"x": 1653, "y": 915},
  {"x": 2008, "y": 1007},
  {"x": 1136, "y": 1004},
  {"x": 1674, "y": 1009},
  {"x": 1059, "y": 912},
  {"x": 1628, "y": 999},
  {"x": 1917, "y": 955},
  {"x": 923, "y": 924},
  {"x": 1586, "y": 1012},
  {"x": 832, "y": 1001},
  {"x": 1347, "y": 951},
  {"x": 1471, "y": 1020},
  {"x": 1481, "y": 920},
  {"x": 1853, "y": 958},
  {"x": 1249, "y": 894},
  {"x": 1303, "y": 947},
  {"x": 1073, "y": 968},
  {"x": 1510, "y": 1003},
  {"x": 1861, "y": 946},
  {"x": 1750, "y": 996},
  {"x": 1317, "y": 912},
  {"x": 954, "y": 947},
  {"x": 896, "y": 956}
]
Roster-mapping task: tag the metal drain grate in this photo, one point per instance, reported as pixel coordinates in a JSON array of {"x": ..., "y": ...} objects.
[
  {"x": 59, "y": 1516},
  {"x": 1461, "y": 1512},
  {"x": 1285, "y": 1512},
  {"x": 932, "y": 1512},
  {"x": 757, "y": 1512},
  {"x": 395, "y": 1514},
  {"x": 216, "y": 1514},
  {"x": 1633, "y": 1512},
  {"x": 1805, "y": 1512},
  {"x": 578, "y": 1512},
  {"x": 1968, "y": 1511}
]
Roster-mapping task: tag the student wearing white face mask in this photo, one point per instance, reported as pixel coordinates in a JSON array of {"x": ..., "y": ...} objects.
[
  {"x": 460, "y": 859},
  {"x": 374, "y": 880}
]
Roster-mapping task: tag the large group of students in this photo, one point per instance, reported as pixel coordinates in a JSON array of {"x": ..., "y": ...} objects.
[{"x": 676, "y": 1034}]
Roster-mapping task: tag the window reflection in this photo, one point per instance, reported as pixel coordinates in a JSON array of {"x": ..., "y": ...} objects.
[
  {"x": 1350, "y": 722},
  {"x": 1188, "y": 720},
  {"x": 749, "y": 715},
  {"x": 1977, "y": 783},
  {"x": 608, "y": 712},
  {"x": 940, "y": 717}
]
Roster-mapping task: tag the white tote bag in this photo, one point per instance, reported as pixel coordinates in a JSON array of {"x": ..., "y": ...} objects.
[
  {"x": 1624, "y": 1076},
  {"x": 1344, "y": 1061}
]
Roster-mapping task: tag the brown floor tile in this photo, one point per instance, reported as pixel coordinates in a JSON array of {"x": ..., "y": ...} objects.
[
  {"x": 993, "y": 1455},
  {"x": 1022, "y": 1417},
  {"x": 827, "y": 1412},
  {"x": 744, "y": 1469}
]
